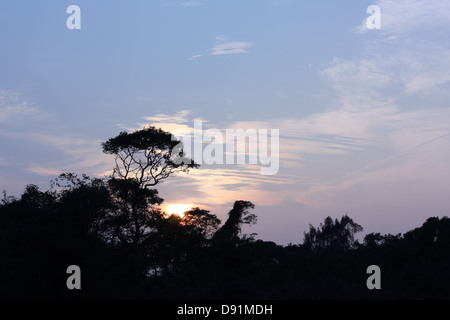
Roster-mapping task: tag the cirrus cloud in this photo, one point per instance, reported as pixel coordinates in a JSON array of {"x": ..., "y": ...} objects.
[{"x": 234, "y": 47}]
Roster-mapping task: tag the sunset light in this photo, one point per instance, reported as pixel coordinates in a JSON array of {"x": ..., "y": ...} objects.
[
  {"x": 178, "y": 209},
  {"x": 225, "y": 156}
]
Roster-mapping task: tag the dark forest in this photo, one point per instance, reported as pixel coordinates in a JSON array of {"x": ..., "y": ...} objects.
[{"x": 128, "y": 248}]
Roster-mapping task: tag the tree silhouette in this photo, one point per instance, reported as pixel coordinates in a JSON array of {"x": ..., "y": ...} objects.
[
  {"x": 127, "y": 247},
  {"x": 229, "y": 232},
  {"x": 373, "y": 240},
  {"x": 338, "y": 234},
  {"x": 177, "y": 239},
  {"x": 200, "y": 223},
  {"x": 143, "y": 158},
  {"x": 147, "y": 156},
  {"x": 434, "y": 231},
  {"x": 136, "y": 211},
  {"x": 44, "y": 232}
]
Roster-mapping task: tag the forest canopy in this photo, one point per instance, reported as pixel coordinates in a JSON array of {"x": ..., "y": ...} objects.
[{"x": 127, "y": 247}]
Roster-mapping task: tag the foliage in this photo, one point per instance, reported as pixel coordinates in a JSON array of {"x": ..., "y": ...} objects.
[
  {"x": 147, "y": 156},
  {"x": 335, "y": 235},
  {"x": 236, "y": 217},
  {"x": 128, "y": 248}
]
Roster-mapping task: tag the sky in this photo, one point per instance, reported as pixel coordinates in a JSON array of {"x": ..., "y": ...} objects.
[{"x": 363, "y": 114}]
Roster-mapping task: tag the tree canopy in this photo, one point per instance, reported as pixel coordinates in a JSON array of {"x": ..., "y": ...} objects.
[
  {"x": 127, "y": 247},
  {"x": 336, "y": 235},
  {"x": 147, "y": 156}
]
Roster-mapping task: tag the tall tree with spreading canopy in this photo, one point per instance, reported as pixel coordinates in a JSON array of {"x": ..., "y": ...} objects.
[
  {"x": 143, "y": 158},
  {"x": 147, "y": 156}
]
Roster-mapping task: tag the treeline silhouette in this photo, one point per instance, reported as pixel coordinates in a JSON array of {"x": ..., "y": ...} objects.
[{"x": 128, "y": 248}]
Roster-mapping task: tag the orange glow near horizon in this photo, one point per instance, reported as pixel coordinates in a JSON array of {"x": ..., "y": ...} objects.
[{"x": 178, "y": 209}]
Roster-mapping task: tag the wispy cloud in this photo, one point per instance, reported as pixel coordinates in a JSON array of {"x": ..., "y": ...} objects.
[
  {"x": 373, "y": 138},
  {"x": 191, "y": 3},
  {"x": 44, "y": 171},
  {"x": 183, "y": 4},
  {"x": 225, "y": 47},
  {"x": 217, "y": 188},
  {"x": 221, "y": 38},
  {"x": 204, "y": 186},
  {"x": 13, "y": 109},
  {"x": 375, "y": 101},
  {"x": 64, "y": 153},
  {"x": 70, "y": 154},
  {"x": 400, "y": 17},
  {"x": 230, "y": 48},
  {"x": 195, "y": 57},
  {"x": 181, "y": 121},
  {"x": 415, "y": 177},
  {"x": 21, "y": 120},
  {"x": 83, "y": 152},
  {"x": 179, "y": 117},
  {"x": 408, "y": 16}
]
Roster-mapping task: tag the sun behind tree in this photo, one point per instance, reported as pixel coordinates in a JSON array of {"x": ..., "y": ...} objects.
[{"x": 178, "y": 209}]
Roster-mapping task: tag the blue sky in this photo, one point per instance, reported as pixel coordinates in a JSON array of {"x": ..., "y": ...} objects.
[{"x": 364, "y": 115}]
